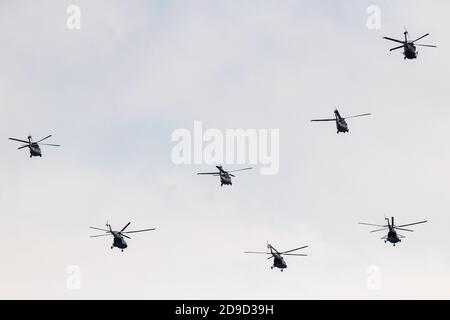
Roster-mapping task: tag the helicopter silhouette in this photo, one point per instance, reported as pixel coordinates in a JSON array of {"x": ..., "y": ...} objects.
[
  {"x": 341, "y": 124},
  {"x": 409, "y": 47},
  {"x": 278, "y": 260},
  {"x": 392, "y": 236},
  {"x": 35, "y": 150},
  {"x": 119, "y": 236},
  {"x": 225, "y": 176}
]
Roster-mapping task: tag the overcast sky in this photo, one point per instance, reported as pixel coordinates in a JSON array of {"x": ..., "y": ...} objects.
[{"x": 113, "y": 92}]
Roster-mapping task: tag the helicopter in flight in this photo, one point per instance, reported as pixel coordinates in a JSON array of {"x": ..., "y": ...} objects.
[
  {"x": 119, "y": 241},
  {"x": 278, "y": 261},
  {"x": 409, "y": 47},
  {"x": 225, "y": 176},
  {"x": 341, "y": 124},
  {"x": 35, "y": 150},
  {"x": 392, "y": 236}
]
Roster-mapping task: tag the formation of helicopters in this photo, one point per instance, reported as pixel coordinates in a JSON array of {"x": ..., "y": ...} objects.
[{"x": 409, "y": 52}]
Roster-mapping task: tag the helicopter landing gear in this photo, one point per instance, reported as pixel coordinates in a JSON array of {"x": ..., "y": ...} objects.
[
  {"x": 281, "y": 270},
  {"x": 122, "y": 250},
  {"x": 271, "y": 268},
  {"x": 112, "y": 247}
]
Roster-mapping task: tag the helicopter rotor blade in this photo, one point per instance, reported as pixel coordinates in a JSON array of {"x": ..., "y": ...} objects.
[
  {"x": 399, "y": 47},
  {"x": 256, "y": 252},
  {"x": 269, "y": 246},
  {"x": 411, "y": 224},
  {"x": 44, "y": 138},
  {"x": 295, "y": 254},
  {"x": 49, "y": 144},
  {"x": 124, "y": 235},
  {"x": 359, "y": 115},
  {"x": 395, "y": 40},
  {"x": 240, "y": 169},
  {"x": 293, "y": 250},
  {"x": 403, "y": 229},
  {"x": 24, "y": 146},
  {"x": 420, "y": 38},
  {"x": 373, "y": 225},
  {"x": 379, "y": 230},
  {"x": 124, "y": 227},
  {"x": 317, "y": 120},
  {"x": 143, "y": 230},
  {"x": 99, "y": 235},
  {"x": 214, "y": 173},
  {"x": 425, "y": 45},
  {"x": 14, "y": 139},
  {"x": 99, "y": 229}
]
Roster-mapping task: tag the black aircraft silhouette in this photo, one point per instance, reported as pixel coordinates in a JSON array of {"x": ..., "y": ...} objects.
[
  {"x": 409, "y": 47},
  {"x": 278, "y": 261},
  {"x": 225, "y": 176},
  {"x": 392, "y": 236},
  {"x": 341, "y": 124},
  {"x": 35, "y": 150},
  {"x": 119, "y": 241}
]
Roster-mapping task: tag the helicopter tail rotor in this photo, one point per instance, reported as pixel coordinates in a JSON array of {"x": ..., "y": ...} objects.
[{"x": 108, "y": 226}]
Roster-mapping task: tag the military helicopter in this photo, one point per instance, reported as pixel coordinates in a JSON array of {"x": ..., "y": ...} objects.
[
  {"x": 35, "y": 150},
  {"x": 409, "y": 47},
  {"x": 392, "y": 236},
  {"x": 341, "y": 124},
  {"x": 225, "y": 176},
  {"x": 119, "y": 240},
  {"x": 278, "y": 261}
]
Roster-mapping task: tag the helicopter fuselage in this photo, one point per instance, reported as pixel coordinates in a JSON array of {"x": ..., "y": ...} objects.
[
  {"x": 392, "y": 237},
  {"x": 341, "y": 125},
  {"x": 225, "y": 179},
  {"x": 278, "y": 262},
  {"x": 119, "y": 242},
  {"x": 35, "y": 150},
  {"x": 410, "y": 51}
]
